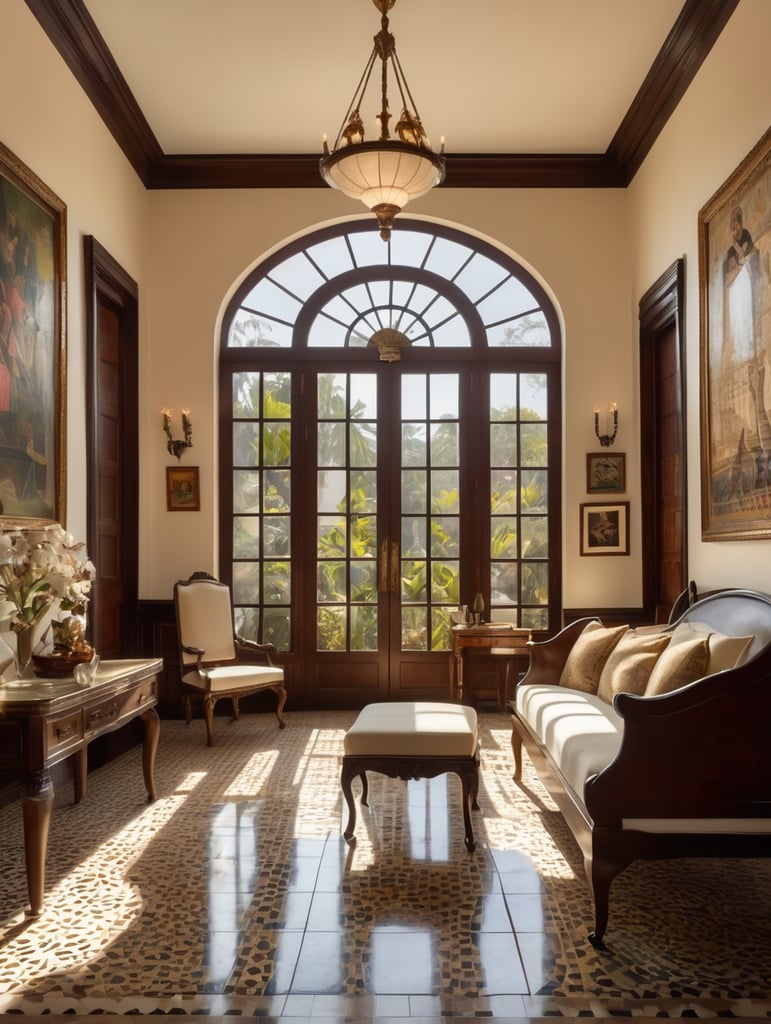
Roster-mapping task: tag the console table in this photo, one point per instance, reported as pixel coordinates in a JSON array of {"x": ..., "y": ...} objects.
[
  {"x": 43, "y": 721},
  {"x": 499, "y": 639}
]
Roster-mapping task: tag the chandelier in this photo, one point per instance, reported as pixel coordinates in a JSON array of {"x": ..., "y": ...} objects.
[{"x": 385, "y": 175}]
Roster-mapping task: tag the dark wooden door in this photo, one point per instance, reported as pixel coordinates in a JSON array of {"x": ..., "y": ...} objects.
[
  {"x": 662, "y": 383},
  {"x": 112, "y": 452}
]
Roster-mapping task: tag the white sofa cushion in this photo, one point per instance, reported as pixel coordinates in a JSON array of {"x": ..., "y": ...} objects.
[{"x": 581, "y": 731}]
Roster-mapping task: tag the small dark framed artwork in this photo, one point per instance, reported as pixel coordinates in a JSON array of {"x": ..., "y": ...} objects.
[
  {"x": 183, "y": 489},
  {"x": 605, "y": 528},
  {"x": 605, "y": 473}
]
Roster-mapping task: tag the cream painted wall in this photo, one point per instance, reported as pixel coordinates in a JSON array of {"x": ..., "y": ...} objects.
[
  {"x": 201, "y": 245},
  {"x": 50, "y": 125},
  {"x": 724, "y": 114}
]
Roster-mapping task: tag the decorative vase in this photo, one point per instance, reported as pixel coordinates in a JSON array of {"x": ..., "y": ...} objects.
[{"x": 24, "y": 633}]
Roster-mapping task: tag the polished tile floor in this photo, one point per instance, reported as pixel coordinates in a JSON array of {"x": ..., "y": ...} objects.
[{"x": 234, "y": 894}]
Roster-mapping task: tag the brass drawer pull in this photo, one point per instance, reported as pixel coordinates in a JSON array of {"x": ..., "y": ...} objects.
[
  {"x": 97, "y": 716},
  {"x": 62, "y": 734}
]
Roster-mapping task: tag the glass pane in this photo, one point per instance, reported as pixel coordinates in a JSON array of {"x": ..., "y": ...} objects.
[
  {"x": 246, "y": 491},
  {"x": 414, "y": 490},
  {"x": 503, "y": 540},
  {"x": 276, "y": 490},
  {"x": 445, "y": 490},
  {"x": 363, "y": 628},
  {"x": 444, "y": 582},
  {"x": 246, "y": 537},
  {"x": 246, "y": 444},
  {"x": 504, "y": 583},
  {"x": 413, "y": 444},
  {"x": 503, "y": 491},
  {"x": 503, "y": 396},
  {"x": 363, "y": 536},
  {"x": 441, "y": 636},
  {"x": 535, "y": 582},
  {"x": 533, "y": 444},
  {"x": 363, "y": 396},
  {"x": 246, "y": 583},
  {"x": 414, "y": 581},
  {"x": 531, "y": 331},
  {"x": 363, "y": 496},
  {"x": 332, "y": 623},
  {"x": 331, "y": 582},
  {"x": 511, "y": 299},
  {"x": 414, "y": 538},
  {"x": 331, "y": 490},
  {"x": 414, "y": 629},
  {"x": 534, "y": 492},
  {"x": 276, "y": 442},
  {"x": 277, "y": 397},
  {"x": 246, "y": 622},
  {"x": 444, "y": 444},
  {"x": 331, "y": 538},
  {"x": 331, "y": 444},
  {"x": 533, "y": 395},
  {"x": 503, "y": 444},
  {"x": 444, "y": 536},
  {"x": 413, "y": 396},
  {"x": 363, "y": 444},
  {"x": 444, "y": 396},
  {"x": 276, "y": 530},
  {"x": 535, "y": 537},
  {"x": 364, "y": 582},
  {"x": 330, "y": 396},
  {"x": 246, "y": 395},
  {"x": 276, "y": 627},
  {"x": 276, "y": 583}
]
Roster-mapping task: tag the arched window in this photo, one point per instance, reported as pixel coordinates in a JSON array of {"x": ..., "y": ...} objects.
[{"x": 389, "y": 449}]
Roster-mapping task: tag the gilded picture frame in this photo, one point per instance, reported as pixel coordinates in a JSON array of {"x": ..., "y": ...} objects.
[
  {"x": 735, "y": 358},
  {"x": 605, "y": 472},
  {"x": 33, "y": 363},
  {"x": 605, "y": 528},
  {"x": 183, "y": 489}
]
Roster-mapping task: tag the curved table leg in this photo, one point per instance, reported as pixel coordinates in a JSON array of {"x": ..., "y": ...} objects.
[
  {"x": 37, "y": 804},
  {"x": 152, "y": 725},
  {"x": 347, "y": 775}
]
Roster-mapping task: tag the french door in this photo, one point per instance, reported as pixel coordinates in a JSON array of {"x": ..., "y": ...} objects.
[{"x": 386, "y": 524}]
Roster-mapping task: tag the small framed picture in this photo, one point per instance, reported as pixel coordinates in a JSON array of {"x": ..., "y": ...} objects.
[
  {"x": 605, "y": 473},
  {"x": 605, "y": 528},
  {"x": 183, "y": 489}
]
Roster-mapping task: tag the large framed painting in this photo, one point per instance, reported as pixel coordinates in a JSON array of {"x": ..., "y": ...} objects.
[
  {"x": 33, "y": 244},
  {"x": 735, "y": 344}
]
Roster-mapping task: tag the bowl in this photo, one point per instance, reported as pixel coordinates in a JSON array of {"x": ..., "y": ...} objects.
[{"x": 58, "y": 663}]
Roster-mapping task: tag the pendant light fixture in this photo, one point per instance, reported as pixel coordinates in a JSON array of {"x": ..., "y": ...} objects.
[{"x": 385, "y": 175}]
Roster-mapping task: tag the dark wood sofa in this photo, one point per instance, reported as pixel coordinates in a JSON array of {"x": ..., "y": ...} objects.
[{"x": 692, "y": 775}]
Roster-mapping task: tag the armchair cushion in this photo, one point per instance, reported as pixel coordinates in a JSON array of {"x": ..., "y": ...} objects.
[{"x": 226, "y": 678}]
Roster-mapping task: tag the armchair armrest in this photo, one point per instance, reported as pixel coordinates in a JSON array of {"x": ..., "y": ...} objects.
[
  {"x": 252, "y": 645},
  {"x": 198, "y": 652}
]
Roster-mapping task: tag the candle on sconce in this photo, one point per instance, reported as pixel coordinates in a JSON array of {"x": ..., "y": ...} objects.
[
  {"x": 166, "y": 419},
  {"x": 187, "y": 423}
]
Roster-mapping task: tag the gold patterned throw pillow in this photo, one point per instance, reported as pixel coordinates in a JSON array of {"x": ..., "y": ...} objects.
[
  {"x": 680, "y": 664},
  {"x": 630, "y": 664},
  {"x": 588, "y": 655}
]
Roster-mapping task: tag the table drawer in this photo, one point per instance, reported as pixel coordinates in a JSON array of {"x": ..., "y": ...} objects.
[
  {"x": 64, "y": 732},
  {"x": 113, "y": 709}
]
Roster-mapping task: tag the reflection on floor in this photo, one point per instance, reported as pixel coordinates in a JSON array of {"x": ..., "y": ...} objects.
[{"x": 234, "y": 894}]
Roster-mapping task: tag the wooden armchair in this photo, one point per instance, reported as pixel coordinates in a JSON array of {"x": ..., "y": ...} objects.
[{"x": 210, "y": 652}]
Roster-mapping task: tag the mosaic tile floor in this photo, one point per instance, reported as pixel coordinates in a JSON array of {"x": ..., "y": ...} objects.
[{"x": 234, "y": 894}]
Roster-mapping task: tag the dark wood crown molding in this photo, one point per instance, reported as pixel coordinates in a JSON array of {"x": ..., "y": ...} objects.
[{"x": 73, "y": 32}]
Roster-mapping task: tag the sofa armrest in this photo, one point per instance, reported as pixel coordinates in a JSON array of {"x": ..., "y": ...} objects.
[
  {"x": 548, "y": 657},
  {"x": 698, "y": 752}
]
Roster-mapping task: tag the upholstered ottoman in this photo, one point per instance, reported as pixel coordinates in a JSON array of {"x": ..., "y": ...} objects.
[{"x": 412, "y": 740}]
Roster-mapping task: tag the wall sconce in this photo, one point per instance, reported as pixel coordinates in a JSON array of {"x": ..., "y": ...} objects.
[
  {"x": 177, "y": 447},
  {"x": 606, "y": 440}
]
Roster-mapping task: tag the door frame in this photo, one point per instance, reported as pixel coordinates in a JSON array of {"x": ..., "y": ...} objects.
[
  {"x": 661, "y": 308},
  {"x": 106, "y": 279}
]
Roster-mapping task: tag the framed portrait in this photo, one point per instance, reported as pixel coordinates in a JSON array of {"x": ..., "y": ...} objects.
[
  {"x": 605, "y": 473},
  {"x": 605, "y": 528},
  {"x": 33, "y": 364},
  {"x": 735, "y": 353},
  {"x": 183, "y": 489}
]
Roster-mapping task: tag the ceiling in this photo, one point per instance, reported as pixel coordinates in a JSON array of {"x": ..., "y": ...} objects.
[{"x": 237, "y": 93}]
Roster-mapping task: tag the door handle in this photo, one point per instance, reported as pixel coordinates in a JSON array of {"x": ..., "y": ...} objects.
[
  {"x": 383, "y": 568},
  {"x": 395, "y": 574}
]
